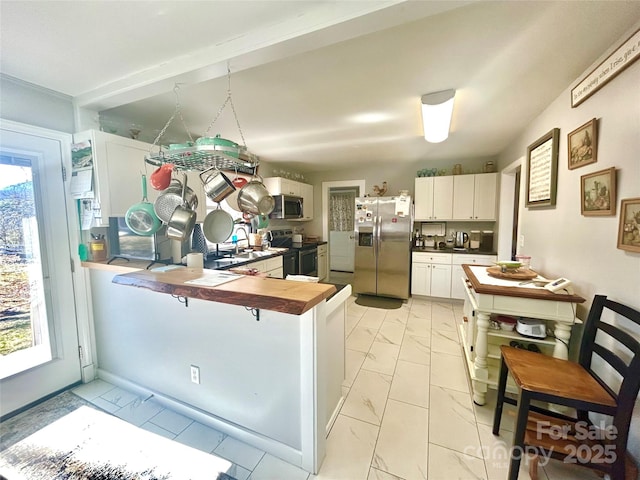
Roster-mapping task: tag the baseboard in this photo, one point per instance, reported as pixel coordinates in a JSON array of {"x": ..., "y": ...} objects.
[{"x": 273, "y": 447}]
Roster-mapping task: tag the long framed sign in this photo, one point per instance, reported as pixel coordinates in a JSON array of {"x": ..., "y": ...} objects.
[
  {"x": 615, "y": 63},
  {"x": 542, "y": 170}
]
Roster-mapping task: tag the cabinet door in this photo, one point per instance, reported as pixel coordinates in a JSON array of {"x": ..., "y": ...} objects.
[
  {"x": 306, "y": 192},
  {"x": 441, "y": 281},
  {"x": 420, "y": 279},
  {"x": 423, "y": 198},
  {"x": 290, "y": 187},
  {"x": 486, "y": 191},
  {"x": 442, "y": 198},
  {"x": 322, "y": 265},
  {"x": 273, "y": 184},
  {"x": 457, "y": 289},
  {"x": 463, "y": 195}
]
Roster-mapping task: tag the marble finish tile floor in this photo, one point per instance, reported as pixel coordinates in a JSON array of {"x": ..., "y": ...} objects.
[{"x": 408, "y": 412}]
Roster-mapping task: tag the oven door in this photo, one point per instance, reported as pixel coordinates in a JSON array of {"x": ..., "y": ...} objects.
[{"x": 308, "y": 262}]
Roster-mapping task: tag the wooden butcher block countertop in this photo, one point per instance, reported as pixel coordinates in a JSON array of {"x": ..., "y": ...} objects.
[{"x": 284, "y": 296}]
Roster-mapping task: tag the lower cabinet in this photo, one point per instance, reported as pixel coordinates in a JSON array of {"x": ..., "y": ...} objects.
[
  {"x": 457, "y": 274},
  {"x": 271, "y": 266},
  {"x": 431, "y": 274},
  {"x": 440, "y": 274},
  {"x": 323, "y": 262}
]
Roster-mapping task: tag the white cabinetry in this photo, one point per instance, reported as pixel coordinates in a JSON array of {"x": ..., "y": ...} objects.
[
  {"x": 433, "y": 198},
  {"x": 284, "y": 186},
  {"x": 323, "y": 262},
  {"x": 431, "y": 274},
  {"x": 457, "y": 273},
  {"x": 271, "y": 266},
  {"x": 474, "y": 196},
  {"x": 118, "y": 163},
  {"x": 306, "y": 192}
]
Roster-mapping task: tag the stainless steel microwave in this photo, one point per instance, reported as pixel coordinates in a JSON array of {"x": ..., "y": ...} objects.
[{"x": 287, "y": 206}]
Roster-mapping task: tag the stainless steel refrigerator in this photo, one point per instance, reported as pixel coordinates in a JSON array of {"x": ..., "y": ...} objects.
[{"x": 383, "y": 227}]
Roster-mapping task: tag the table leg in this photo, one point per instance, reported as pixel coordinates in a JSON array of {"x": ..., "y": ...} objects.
[
  {"x": 562, "y": 332},
  {"x": 480, "y": 365}
]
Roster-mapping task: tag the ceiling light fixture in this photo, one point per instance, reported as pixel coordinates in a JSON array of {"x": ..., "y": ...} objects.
[{"x": 437, "y": 109}]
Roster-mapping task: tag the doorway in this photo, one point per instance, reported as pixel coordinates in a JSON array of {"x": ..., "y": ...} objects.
[
  {"x": 338, "y": 199},
  {"x": 39, "y": 333},
  {"x": 509, "y": 216}
]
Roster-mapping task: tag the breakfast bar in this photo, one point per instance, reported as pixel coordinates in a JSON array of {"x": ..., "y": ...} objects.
[
  {"x": 487, "y": 296},
  {"x": 269, "y": 353}
]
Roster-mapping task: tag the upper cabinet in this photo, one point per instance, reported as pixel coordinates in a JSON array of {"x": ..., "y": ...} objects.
[
  {"x": 433, "y": 198},
  {"x": 119, "y": 163},
  {"x": 456, "y": 197},
  {"x": 284, "y": 186}
]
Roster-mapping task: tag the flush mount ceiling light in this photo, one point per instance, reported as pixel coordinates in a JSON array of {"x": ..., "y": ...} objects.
[{"x": 436, "y": 115}]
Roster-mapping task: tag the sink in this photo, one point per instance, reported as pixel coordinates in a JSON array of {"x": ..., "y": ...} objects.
[{"x": 251, "y": 255}]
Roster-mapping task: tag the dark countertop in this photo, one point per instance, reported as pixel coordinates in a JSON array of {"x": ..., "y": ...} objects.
[{"x": 467, "y": 251}]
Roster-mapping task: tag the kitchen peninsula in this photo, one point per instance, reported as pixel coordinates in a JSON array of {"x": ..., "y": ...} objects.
[{"x": 269, "y": 352}]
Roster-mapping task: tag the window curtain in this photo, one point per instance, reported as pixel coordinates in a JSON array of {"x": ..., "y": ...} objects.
[{"x": 342, "y": 206}]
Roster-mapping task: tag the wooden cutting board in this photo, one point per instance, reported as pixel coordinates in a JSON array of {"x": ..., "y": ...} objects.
[{"x": 511, "y": 274}]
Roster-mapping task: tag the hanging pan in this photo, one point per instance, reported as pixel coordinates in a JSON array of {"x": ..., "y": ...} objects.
[
  {"x": 171, "y": 198},
  {"x": 141, "y": 218},
  {"x": 217, "y": 226},
  {"x": 183, "y": 218}
]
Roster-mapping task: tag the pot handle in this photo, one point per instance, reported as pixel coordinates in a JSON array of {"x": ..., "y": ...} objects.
[
  {"x": 184, "y": 190},
  {"x": 208, "y": 174}
]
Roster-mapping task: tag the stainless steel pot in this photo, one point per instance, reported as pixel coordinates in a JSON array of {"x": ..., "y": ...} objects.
[
  {"x": 254, "y": 198},
  {"x": 216, "y": 184},
  {"x": 183, "y": 218},
  {"x": 171, "y": 198}
]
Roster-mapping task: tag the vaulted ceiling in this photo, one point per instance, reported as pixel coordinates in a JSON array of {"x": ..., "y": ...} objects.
[{"x": 318, "y": 84}]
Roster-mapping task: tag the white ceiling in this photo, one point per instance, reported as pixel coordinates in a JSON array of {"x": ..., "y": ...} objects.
[{"x": 304, "y": 73}]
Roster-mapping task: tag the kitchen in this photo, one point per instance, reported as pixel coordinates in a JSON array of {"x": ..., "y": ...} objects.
[{"x": 556, "y": 254}]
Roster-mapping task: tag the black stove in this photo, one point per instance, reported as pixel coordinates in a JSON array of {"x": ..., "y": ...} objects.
[
  {"x": 284, "y": 239},
  {"x": 305, "y": 253}
]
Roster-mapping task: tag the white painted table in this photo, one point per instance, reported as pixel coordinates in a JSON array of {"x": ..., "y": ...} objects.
[{"x": 487, "y": 295}]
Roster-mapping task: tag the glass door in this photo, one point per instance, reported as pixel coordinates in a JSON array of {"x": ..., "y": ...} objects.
[{"x": 38, "y": 332}]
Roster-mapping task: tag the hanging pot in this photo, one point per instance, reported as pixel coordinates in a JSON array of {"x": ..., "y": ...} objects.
[
  {"x": 255, "y": 198},
  {"x": 216, "y": 184},
  {"x": 171, "y": 198},
  {"x": 183, "y": 218},
  {"x": 161, "y": 177},
  {"x": 141, "y": 217}
]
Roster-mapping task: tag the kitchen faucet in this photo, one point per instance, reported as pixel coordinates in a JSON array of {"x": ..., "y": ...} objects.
[{"x": 246, "y": 236}]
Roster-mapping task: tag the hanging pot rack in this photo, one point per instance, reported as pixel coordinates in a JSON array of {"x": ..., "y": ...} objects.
[{"x": 202, "y": 157}]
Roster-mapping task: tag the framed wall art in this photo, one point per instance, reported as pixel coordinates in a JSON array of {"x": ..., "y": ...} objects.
[
  {"x": 598, "y": 193},
  {"x": 629, "y": 229},
  {"x": 542, "y": 170},
  {"x": 582, "y": 144}
]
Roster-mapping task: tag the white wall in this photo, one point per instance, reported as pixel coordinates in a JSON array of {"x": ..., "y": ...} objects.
[
  {"x": 33, "y": 105},
  {"x": 560, "y": 240}
]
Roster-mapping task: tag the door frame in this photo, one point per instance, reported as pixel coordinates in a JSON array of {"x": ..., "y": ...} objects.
[
  {"x": 507, "y": 204},
  {"x": 326, "y": 188},
  {"x": 79, "y": 275}
]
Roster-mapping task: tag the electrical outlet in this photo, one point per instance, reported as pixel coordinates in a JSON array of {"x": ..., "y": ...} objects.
[{"x": 195, "y": 374}]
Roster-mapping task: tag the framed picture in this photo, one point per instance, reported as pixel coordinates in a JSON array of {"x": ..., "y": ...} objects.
[
  {"x": 582, "y": 144},
  {"x": 629, "y": 229},
  {"x": 542, "y": 170},
  {"x": 598, "y": 193}
]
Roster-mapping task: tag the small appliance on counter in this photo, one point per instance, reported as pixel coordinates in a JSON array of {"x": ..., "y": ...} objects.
[
  {"x": 124, "y": 243},
  {"x": 461, "y": 241}
]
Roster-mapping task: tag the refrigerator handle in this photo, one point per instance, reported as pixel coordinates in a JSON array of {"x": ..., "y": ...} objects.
[
  {"x": 375, "y": 236},
  {"x": 378, "y": 233}
]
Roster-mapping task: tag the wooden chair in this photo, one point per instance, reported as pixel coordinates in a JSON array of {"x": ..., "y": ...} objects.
[{"x": 589, "y": 386}]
